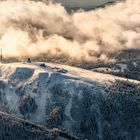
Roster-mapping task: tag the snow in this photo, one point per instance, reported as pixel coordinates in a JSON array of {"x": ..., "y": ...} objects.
[
  {"x": 106, "y": 69},
  {"x": 123, "y": 67},
  {"x": 51, "y": 68},
  {"x": 135, "y": 64},
  {"x": 32, "y": 76},
  {"x": 55, "y": 85},
  {"x": 40, "y": 113}
]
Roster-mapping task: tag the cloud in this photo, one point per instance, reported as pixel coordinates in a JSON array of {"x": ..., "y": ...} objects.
[{"x": 29, "y": 28}]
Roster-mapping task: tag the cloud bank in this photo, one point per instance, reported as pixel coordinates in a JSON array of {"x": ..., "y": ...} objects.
[{"x": 29, "y": 28}]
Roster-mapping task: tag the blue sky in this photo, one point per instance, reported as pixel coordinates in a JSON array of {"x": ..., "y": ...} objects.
[{"x": 77, "y": 3}]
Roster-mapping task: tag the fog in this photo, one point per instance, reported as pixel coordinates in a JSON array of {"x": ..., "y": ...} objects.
[{"x": 29, "y": 28}]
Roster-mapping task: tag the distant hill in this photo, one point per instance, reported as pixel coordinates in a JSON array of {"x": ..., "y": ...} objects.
[{"x": 88, "y": 8}]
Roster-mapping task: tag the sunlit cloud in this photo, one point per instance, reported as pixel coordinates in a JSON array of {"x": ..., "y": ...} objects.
[{"x": 29, "y": 28}]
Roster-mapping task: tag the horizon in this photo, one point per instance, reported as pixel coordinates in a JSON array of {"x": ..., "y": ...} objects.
[{"x": 83, "y": 3}]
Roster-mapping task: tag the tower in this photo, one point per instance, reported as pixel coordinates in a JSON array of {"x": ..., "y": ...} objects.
[{"x": 1, "y": 55}]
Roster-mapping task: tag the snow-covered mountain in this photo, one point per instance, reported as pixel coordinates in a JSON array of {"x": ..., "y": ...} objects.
[{"x": 88, "y": 104}]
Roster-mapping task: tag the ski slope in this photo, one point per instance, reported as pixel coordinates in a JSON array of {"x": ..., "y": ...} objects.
[
  {"x": 53, "y": 68},
  {"x": 58, "y": 96}
]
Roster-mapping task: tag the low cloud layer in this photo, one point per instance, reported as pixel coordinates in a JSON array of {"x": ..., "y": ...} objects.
[{"x": 29, "y": 28}]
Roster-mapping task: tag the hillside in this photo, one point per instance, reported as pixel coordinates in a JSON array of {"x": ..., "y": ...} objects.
[{"x": 80, "y": 102}]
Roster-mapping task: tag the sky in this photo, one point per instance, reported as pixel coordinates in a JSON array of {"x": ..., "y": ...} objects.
[{"x": 82, "y": 3}]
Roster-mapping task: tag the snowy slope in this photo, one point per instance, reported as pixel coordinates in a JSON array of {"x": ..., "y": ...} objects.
[
  {"x": 50, "y": 68},
  {"x": 57, "y": 96},
  {"x": 31, "y": 79}
]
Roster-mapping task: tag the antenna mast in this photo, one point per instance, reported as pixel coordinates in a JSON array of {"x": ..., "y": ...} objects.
[{"x": 1, "y": 55}]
